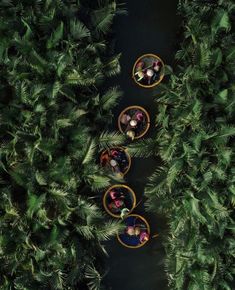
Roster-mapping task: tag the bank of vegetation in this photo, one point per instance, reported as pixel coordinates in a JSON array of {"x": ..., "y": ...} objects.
[
  {"x": 194, "y": 188},
  {"x": 54, "y": 58}
]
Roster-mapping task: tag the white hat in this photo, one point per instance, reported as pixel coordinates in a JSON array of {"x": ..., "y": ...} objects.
[
  {"x": 131, "y": 134},
  {"x": 113, "y": 162},
  {"x": 150, "y": 72},
  {"x": 133, "y": 123}
]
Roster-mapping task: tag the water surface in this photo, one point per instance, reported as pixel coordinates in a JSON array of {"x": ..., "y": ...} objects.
[{"x": 150, "y": 27}]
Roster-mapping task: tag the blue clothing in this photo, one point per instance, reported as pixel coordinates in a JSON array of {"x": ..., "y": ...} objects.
[{"x": 130, "y": 240}]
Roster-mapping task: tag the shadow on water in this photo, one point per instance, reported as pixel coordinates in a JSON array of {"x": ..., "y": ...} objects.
[{"x": 150, "y": 27}]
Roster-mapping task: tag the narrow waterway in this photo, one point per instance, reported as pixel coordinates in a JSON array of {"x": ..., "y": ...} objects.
[{"x": 150, "y": 27}]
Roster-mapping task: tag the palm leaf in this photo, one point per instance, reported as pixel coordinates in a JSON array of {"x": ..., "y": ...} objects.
[
  {"x": 56, "y": 36},
  {"x": 143, "y": 148},
  {"x": 102, "y": 18},
  {"x": 110, "y": 139},
  {"x": 78, "y": 29},
  {"x": 94, "y": 278},
  {"x": 98, "y": 182},
  {"x": 90, "y": 151},
  {"x": 110, "y": 98}
]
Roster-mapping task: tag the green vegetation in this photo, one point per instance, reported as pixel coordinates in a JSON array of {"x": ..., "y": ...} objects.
[
  {"x": 194, "y": 187},
  {"x": 54, "y": 58}
]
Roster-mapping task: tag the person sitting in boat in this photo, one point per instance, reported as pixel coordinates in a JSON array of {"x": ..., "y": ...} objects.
[
  {"x": 149, "y": 75},
  {"x": 124, "y": 212},
  {"x": 157, "y": 65},
  {"x": 157, "y": 68},
  {"x": 144, "y": 237},
  {"x": 114, "y": 194},
  {"x": 117, "y": 200},
  {"x": 130, "y": 231},
  {"x": 110, "y": 158},
  {"x": 105, "y": 158},
  {"x": 152, "y": 74},
  {"x": 115, "y": 166},
  {"x": 125, "y": 119},
  {"x": 116, "y": 205},
  {"x": 139, "y": 71}
]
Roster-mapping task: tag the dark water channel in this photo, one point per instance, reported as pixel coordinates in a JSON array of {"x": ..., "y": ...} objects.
[{"x": 150, "y": 27}]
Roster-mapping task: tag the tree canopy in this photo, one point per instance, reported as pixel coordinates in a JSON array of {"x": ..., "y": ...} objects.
[{"x": 54, "y": 58}]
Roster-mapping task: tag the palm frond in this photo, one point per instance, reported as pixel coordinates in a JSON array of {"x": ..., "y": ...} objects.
[
  {"x": 90, "y": 151},
  {"x": 78, "y": 29},
  {"x": 110, "y": 98},
  {"x": 94, "y": 278},
  {"x": 56, "y": 36},
  {"x": 143, "y": 148},
  {"x": 110, "y": 139},
  {"x": 98, "y": 182}
]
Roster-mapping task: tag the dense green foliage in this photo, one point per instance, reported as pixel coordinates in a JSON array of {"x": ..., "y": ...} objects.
[
  {"x": 194, "y": 187},
  {"x": 54, "y": 57}
]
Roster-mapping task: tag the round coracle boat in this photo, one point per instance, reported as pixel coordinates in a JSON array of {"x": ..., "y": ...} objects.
[
  {"x": 119, "y": 200},
  {"x": 134, "y": 121},
  {"x": 148, "y": 70}
]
